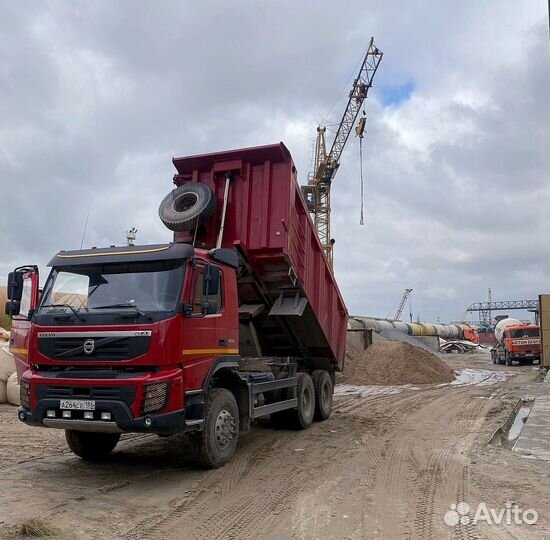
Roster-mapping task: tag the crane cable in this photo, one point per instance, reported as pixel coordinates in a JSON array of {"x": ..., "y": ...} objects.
[
  {"x": 360, "y": 132},
  {"x": 361, "y": 221}
]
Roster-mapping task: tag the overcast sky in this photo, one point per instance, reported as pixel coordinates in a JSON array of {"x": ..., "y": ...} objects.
[{"x": 96, "y": 97}]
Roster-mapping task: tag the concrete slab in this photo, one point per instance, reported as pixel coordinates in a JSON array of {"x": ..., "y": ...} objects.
[{"x": 534, "y": 439}]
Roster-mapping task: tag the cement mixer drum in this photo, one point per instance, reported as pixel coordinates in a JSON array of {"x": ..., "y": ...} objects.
[{"x": 502, "y": 325}]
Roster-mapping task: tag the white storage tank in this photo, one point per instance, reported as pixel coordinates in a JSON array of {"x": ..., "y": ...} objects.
[
  {"x": 451, "y": 332},
  {"x": 382, "y": 326},
  {"x": 401, "y": 326},
  {"x": 439, "y": 329}
]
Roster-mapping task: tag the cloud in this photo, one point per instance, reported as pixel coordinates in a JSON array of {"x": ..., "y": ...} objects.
[{"x": 97, "y": 98}]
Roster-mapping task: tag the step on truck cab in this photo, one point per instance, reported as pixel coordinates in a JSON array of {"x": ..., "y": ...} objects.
[{"x": 238, "y": 318}]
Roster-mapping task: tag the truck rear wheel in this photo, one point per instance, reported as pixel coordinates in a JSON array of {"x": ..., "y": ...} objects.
[
  {"x": 91, "y": 446},
  {"x": 507, "y": 358},
  {"x": 187, "y": 206},
  {"x": 302, "y": 416},
  {"x": 216, "y": 443},
  {"x": 493, "y": 357},
  {"x": 324, "y": 390}
]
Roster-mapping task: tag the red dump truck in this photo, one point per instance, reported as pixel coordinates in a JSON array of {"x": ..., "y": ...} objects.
[{"x": 238, "y": 318}]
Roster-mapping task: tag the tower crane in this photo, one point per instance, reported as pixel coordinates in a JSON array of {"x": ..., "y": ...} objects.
[
  {"x": 406, "y": 294},
  {"x": 317, "y": 192}
]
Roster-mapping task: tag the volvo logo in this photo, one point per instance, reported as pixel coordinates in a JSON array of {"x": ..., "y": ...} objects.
[{"x": 89, "y": 346}]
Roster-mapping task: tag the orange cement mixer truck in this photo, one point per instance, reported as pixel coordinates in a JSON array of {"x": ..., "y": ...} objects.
[{"x": 516, "y": 341}]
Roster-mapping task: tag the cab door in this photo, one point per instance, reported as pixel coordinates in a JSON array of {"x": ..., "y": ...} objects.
[
  {"x": 22, "y": 301},
  {"x": 210, "y": 331}
]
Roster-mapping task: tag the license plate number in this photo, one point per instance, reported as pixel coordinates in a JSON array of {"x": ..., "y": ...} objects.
[{"x": 77, "y": 405}]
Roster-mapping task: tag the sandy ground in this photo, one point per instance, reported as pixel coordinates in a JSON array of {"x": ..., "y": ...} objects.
[{"x": 385, "y": 465}]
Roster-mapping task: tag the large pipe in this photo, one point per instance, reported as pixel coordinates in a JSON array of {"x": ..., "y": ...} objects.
[{"x": 445, "y": 331}]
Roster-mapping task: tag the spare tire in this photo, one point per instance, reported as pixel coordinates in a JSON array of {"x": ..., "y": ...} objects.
[{"x": 187, "y": 206}]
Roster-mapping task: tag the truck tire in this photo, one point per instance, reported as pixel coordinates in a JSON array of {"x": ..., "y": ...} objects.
[
  {"x": 507, "y": 359},
  {"x": 187, "y": 206},
  {"x": 216, "y": 443},
  {"x": 493, "y": 357},
  {"x": 91, "y": 446},
  {"x": 324, "y": 391},
  {"x": 302, "y": 416}
]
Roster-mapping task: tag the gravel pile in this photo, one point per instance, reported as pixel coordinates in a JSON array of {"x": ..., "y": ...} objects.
[
  {"x": 392, "y": 363},
  {"x": 396, "y": 335}
]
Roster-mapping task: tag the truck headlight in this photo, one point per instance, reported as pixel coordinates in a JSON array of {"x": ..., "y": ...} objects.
[
  {"x": 25, "y": 393},
  {"x": 155, "y": 396}
]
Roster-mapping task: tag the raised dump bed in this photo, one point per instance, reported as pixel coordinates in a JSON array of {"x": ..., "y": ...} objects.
[{"x": 285, "y": 283}]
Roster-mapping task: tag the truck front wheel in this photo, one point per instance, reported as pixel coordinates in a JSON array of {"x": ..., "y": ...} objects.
[
  {"x": 91, "y": 446},
  {"x": 216, "y": 443},
  {"x": 324, "y": 390}
]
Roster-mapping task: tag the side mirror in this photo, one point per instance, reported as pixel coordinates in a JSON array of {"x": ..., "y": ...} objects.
[
  {"x": 15, "y": 285},
  {"x": 211, "y": 280},
  {"x": 13, "y": 307}
]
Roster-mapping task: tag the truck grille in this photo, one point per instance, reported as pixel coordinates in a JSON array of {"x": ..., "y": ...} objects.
[
  {"x": 117, "y": 393},
  {"x": 94, "y": 348}
]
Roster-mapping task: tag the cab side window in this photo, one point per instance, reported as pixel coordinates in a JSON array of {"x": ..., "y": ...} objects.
[
  {"x": 214, "y": 300},
  {"x": 26, "y": 298},
  {"x": 198, "y": 287}
]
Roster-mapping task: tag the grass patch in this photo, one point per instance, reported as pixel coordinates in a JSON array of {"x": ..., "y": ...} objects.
[{"x": 36, "y": 528}]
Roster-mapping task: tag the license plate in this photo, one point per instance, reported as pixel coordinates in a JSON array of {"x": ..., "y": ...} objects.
[{"x": 77, "y": 405}]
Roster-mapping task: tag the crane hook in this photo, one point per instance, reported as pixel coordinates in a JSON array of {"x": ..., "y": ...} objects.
[{"x": 360, "y": 128}]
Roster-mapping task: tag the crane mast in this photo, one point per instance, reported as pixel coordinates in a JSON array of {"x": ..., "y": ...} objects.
[
  {"x": 406, "y": 293},
  {"x": 317, "y": 192}
]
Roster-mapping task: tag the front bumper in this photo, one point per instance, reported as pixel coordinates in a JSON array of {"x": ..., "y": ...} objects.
[
  {"x": 123, "y": 398},
  {"x": 122, "y": 420}
]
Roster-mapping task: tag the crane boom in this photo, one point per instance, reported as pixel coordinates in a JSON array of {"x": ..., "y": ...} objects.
[
  {"x": 402, "y": 304},
  {"x": 317, "y": 193}
]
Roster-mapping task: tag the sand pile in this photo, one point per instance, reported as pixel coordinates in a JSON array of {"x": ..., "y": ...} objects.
[{"x": 392, "y": 363}]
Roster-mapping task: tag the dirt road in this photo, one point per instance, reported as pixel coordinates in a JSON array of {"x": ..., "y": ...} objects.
[{"x": 385, "y": 465}]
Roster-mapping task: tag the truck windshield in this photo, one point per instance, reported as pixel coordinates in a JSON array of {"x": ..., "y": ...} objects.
[
  {"x": 524, "y": 333},
  {"x": 152, "y": 286}
]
